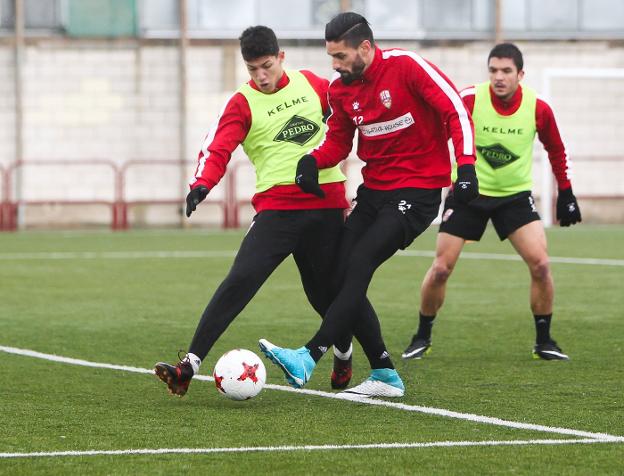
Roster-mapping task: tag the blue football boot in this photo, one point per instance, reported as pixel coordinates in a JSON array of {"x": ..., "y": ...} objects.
[
  {"x": 381, "y": 383},
  {"x": 296, "y": 364}
]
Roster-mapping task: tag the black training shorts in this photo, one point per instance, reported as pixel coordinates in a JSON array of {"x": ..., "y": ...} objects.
[
  {"x": 468, "y": 221},
  {"x": 414, "y": 208}
]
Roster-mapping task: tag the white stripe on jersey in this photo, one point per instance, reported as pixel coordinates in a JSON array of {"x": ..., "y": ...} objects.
[
  {"x": 568, "y": 161},
  {"x": 207, "y": 141},
  {"x": 468, "y": 92},
  {"x": 448, "y": 90},
  {"x": 334, "y": 77}
]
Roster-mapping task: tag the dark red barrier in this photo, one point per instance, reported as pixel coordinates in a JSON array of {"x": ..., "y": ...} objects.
[
  {"x": 4, "y": 200},
  {"x": 124, "y": 204},
  {"x": 10, "y": 206}
]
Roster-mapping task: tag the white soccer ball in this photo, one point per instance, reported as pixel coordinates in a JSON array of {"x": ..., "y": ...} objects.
[{"x": 239, "y": 374}]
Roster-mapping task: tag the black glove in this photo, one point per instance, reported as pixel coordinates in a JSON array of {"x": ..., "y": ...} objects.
[
  {"x": 194, "y": 197},
  {"x": 466, "y": 186},
  {"x": 307, "y": 176},
  {"x": 568, "y": 212}
]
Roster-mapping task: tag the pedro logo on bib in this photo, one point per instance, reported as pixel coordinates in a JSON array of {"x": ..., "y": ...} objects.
[
  {"x": 497, "y": 155},
  {"x": 298, "y": 130}
]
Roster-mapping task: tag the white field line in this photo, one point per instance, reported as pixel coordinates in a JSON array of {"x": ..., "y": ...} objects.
[
  {"x": 266, "y": 449},
  {"x": 71, "y": 255},
  {"x": 368, "y": 401},
  {"x": 63, "y": 255},
  {"x": 514, "y": 257}
]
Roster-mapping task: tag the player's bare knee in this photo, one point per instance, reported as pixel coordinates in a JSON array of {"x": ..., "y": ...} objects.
[
  {"x": 540, "y": 269},
  {"x": 440, "y": 272}
]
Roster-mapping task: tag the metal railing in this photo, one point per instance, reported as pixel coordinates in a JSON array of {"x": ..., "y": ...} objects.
[
  {"x": 231, "y": 201},
  {"x": 10, "y": 204},
  {"x": 119, "y": 203}
]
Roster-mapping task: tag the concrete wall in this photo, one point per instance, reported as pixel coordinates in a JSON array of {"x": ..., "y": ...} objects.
[
  {"x": 119, "y": 102},
  {"x": 7, "y": 107}
]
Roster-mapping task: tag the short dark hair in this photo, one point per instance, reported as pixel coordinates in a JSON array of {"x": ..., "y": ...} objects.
[
  {"x": 258, "y": 41},
  {"x": 350, "y": 27},
  {"x": 508, "y": 50}
]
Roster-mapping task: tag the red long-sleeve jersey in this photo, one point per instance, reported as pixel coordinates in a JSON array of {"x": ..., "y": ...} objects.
[
  {"x": 230, "y": 130},
  {"x": 547, "y": 130},
  {"x": 400, "y": 107}
]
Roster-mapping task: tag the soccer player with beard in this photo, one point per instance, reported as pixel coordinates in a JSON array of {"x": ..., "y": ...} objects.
[
  {"x": 276, "y": 116},
  {"x": 506, "y": 117},
  {"x": 401, "y": 106}
]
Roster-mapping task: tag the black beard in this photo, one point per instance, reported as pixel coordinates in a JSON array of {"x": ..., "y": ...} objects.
[
  {"x": 348, "y": 78},
  {"x": 358, "y": 68}
]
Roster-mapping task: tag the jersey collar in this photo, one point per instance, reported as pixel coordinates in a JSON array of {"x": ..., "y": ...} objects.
[
  {"x": 282, "y": 83},
  {"x": 507, "y": 107},
  {"x": 374, "y": 67}
]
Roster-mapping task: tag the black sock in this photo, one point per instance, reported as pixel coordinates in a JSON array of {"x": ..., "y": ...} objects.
[
  {"x": 316, "y": 352},
  {"x": 542, "y": 328},
  {"x": 425, "y": 325},
  {"x": 382, "y": 362},
  {"x": 343, "y": 344}
]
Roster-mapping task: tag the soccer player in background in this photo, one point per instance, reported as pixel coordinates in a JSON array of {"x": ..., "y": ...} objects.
[
  {"x": 399, "y": 104},
  {"x": 277, "y": 116},
  {"x": 506, "y": 117}
]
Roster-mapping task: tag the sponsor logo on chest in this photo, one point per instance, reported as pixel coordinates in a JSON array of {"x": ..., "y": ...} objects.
[
  {"x": 387, "y": 127},
  {"x": 287, "y": 105},
  {"x": 497, "y": 155},
  {"x": 503, "y": 130},
  {"x": 298, "y": 130}
]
